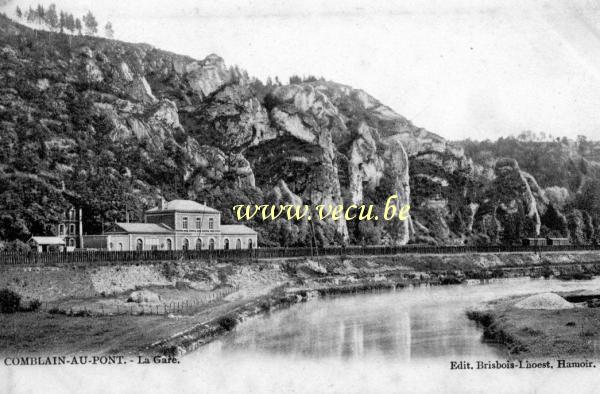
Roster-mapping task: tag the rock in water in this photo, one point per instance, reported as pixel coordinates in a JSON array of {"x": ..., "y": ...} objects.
[
  {"x": 544, "y": 301},
  {"x": 143, "y": 296}
]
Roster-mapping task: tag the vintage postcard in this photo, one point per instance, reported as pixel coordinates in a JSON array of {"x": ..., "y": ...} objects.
[{"x": 299, "y": 196}]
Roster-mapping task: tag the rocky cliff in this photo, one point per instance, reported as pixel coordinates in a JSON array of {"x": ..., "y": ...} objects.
[{"x": 111, "y": 126}]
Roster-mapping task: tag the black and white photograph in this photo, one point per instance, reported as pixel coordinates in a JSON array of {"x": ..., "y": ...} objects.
[{"x": 299, "y": 196}]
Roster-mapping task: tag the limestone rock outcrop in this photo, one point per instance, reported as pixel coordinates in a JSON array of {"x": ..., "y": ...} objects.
[
  {"x": 509, "y": 210},
  {"x": 208, "y": 75}
]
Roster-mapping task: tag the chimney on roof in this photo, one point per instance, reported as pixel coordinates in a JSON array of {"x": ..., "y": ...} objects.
[{"x": 161, "y": 203}]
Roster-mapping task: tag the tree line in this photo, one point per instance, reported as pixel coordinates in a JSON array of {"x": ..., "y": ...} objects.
[
  {"x": 296, "y": 79},
  {"x": 62, "y": 21}
]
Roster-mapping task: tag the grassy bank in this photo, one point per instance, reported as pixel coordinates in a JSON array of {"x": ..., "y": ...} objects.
[
  {"x": 534, "y": 333},
  {"x": 42, "y": 333}
]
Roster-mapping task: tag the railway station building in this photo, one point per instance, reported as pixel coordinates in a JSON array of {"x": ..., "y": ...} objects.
[{"x": 175, "y": 225}]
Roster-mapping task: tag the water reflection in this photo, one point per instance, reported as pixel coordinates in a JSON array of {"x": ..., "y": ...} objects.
[{"x": 422, "y": 323}]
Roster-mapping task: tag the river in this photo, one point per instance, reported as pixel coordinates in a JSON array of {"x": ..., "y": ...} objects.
[
  {"x": 373, "y": 342},
  {"x": 395, "y": 342}
]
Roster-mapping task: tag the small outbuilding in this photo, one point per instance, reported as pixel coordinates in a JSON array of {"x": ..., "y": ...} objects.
[{"x": 47, "y": 244}]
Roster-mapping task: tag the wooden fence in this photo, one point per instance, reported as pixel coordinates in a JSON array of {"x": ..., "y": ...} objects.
[{"x": 106, "y": 257}]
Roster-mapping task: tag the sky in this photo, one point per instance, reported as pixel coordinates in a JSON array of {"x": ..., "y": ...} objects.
[{"x": 460, "y": 68}]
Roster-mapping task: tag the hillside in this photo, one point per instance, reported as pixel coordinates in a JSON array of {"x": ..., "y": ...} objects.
[
  {"x": 567, "y": 179},
  {"x": 111, "y": 127}
]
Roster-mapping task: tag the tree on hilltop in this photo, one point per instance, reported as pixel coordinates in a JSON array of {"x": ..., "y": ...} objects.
[
  {"x": 51, "y": 17},
  {"x": 78, "y": 26},
  {"x": 40, "y": 14},
  {"x": 91, "y": 24},
  {"x": 19, "y": 12},
  {"x": 70, "y": 23},
  {"x": 62, "y": 21},
  {"x": 30, "y": 15},
  {"x": 108, "y": 30},
  {"x": 70, "y": 26}
]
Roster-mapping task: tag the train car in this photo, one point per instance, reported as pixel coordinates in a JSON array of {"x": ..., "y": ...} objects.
[
  {"x": 558, "y": 241},
  {"x": 534, "y": 241}
]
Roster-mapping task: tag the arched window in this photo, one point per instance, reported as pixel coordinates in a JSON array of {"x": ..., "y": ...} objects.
[
  {"x": 71, "y": 214},
  {"x": 72, "y": 242},
  {"x": 211, "y": 244},
  {"x": 198, "y": 244},
  {"x": 238, "y": 244},
  {"x": 184, "y": 223},
  {"x": 71, "y": 229},
  {"x": 139, "y": 246},
  {"x": 120, "y": 246},
  {"x": 169, "y": 244},
  {"x": 111, "y": 246},
  {"x": 211, "y": 223},
  {"x": 226, "y": 244},
  {"x": 198, "y": 223},
  {"x": 186, "y": 245},
  {"x": 250, "y": 245},
  {"x": 61, "y": 229}
]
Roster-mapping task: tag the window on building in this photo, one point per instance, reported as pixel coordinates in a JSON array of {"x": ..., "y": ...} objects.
[
  {"x": 211, "y": 244},
  {"x": 238, "y": 244},
  {"x": 61, "y": 229},
  {"x": 72, "y": 242},
  {"x": 184, "y": 223},
  {"x": 250, "y": 245},
  {"x": 120, "y": 246},
  {"x": 198, "y": 244},
  {"x": 226, "y": 244},
  {"x": 169, "y": 244},
  {"x": 198, "y": 223},
  {"x": 110, "y": 246},
  {"x": 154, "y": 247},
  {"x": 186, "y": 244},
  {"x": 139, "y": 246},
  {"x": 71, "y": 229},
  {"x": 211, "y": 223},
  {"x": 71, "y": 214}
]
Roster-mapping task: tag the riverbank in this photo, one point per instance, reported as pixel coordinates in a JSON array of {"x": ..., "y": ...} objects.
[
  {"x": 190, "y": 303},
  {"x": 572, "y": 331}
]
